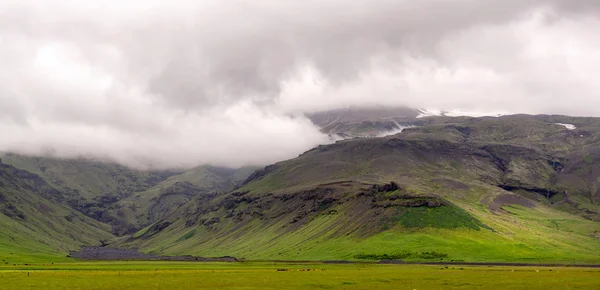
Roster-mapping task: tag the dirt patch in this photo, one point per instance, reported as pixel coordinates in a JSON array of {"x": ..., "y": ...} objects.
[
  {"x": 508, "y": 199},
  {"x": 451, "y": 184},
  {"x": 103, "y": 253},
  {"x": 396, "y": 262},
  {"x": 338, "y": 262},
  {"x": 44, "y": 208}
]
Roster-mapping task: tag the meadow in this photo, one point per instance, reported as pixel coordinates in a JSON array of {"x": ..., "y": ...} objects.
[{"x": 271, "y": 275}]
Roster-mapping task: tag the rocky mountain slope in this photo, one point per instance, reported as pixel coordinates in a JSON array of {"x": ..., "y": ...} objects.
[
  {"x": 93, "y": 188},
  {"x": 36, "y": 220},
  {"x": 120, "y": 199},
  {"x": 510, "y": 188},
  {"x": 364, "y": 122}
]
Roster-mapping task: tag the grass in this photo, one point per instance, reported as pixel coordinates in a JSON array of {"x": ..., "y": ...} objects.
[
  {"x": 438, "y": 217},
  {"x": 261, "y": 230},
  {"x": 187, "y": 236},
  {"x": 45, "y": 236},
  {"x": 520, "y": 234},
  {"x": 257, "y": 275},
  {"x": 142, "y": 231},
  {"x": 403, "y": 255}
]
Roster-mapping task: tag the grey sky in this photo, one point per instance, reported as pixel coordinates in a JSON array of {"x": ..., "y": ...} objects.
[{"x": 179, "y": 83}]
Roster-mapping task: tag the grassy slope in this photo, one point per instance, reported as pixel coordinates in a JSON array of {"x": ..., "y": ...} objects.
[
  {"x": 91, "y": 187},
  {"x": 35, "y": 227},
  {"x": 463, "y": 162},
  {"x": 525, "y": 235},
  {"x": 89, "y": 179},
  {"x": 150, "y": 205},
  {"x": 120, "y": 196},
  {"x": 43, "y": 190}
]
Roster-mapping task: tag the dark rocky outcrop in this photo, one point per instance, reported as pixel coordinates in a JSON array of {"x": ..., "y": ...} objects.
[
  {"x": 388, "y": 187},
  {"x": 104, "y": 253}
]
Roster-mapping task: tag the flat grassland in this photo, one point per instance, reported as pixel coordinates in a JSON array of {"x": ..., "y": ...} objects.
[{"x": 270, "y": 275}]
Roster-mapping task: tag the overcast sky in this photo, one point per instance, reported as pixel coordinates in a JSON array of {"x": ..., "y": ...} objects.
[{"x": 181, "y": 83}]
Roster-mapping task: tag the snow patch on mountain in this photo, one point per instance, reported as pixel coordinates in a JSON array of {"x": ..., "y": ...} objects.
[
  {"x": 568, "y": 126},
  {"x": 429, "y": 113},
  {"x": 455, "y": 113}
]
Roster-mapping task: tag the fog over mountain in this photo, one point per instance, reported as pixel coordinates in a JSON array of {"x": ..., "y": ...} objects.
[{"x": 180, "y": 83}]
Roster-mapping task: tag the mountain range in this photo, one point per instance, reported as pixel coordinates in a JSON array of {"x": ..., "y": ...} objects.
[{"x": 396, "y": 184}]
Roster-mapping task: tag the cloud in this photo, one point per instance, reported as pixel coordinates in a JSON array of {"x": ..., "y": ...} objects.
[
  {"x": 537, "y": 63},
  {"x": 181, "y": 83},
  {"x": 234, "y": 136}
]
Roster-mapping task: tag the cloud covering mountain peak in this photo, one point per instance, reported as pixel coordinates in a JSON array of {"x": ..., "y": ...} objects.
[{"x": 180, "y": 83}]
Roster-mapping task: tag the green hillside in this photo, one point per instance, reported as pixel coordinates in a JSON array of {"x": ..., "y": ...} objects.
[
  {"x": 36, "y": 225},
  {"x": 145, "y": 207},
  {"x": 517, "y": 188},
  {"x": 91, "y": 187},
  {"x": 122, "y": 197}
]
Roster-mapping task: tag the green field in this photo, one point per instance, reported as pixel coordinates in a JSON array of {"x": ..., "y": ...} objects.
[{"x": 269, "y": 275}]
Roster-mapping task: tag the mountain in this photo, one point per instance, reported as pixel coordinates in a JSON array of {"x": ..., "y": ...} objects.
[
  {"x": 368, "y": 122},
  {"x": 124, "y": 198},
  {"x": 36, "y": 223},
  {"x": 91, "y": 187},
  {"x": 363, "y": 122},
  {"x": 145, "y": 207},
  {"x": 454, "y": 113},
  {"x": 508, "y": 188},
  {"x": 513, "y": 188}
]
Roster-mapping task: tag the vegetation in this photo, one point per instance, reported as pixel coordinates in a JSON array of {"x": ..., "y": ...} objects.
[
  {"x": 403, "y": 255},
  {"x": 438, "y": 217},
  {"x": 124, "y": 198},
  {"x": 478, "y": 189},
  {"x": 35, "y": 226},
  {"x": 516, "y": 188},
  {"x": 181, "y": 275}
]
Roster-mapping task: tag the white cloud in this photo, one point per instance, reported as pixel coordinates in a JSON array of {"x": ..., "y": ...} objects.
[
  {"x": 238, "y": 135},
  {"x": 528, "y": 65},
  {"x": 180, "y": 83}
]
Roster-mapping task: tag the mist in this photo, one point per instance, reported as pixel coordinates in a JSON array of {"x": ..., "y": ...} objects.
[{"x": 160, "y": 84}]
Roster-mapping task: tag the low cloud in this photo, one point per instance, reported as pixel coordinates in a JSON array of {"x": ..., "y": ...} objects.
[
  {"x": 182, "y": 83},
  {"x": 238, "y": 135}
]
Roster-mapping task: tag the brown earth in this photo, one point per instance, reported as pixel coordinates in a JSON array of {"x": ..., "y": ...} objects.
[
  {"x": 508, "y": 199},
  {"x": 113, "y": 254}
]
